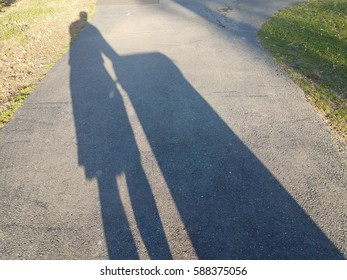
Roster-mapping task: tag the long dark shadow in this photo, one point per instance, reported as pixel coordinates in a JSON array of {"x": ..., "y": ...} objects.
[
  {"x": 107, "y": 149},
  {"x": 231, "y": 205}
]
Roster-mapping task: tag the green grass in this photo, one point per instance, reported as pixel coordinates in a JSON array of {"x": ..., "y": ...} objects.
[{"x": 309, "y": 41}]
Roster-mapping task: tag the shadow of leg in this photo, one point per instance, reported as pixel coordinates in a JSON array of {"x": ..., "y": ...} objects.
[
  {"x": 120, "y": 243},
  {"x": 146, "y": 214}
]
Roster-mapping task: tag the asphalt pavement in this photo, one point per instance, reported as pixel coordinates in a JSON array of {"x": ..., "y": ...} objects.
[{"x": 167, "y": 132}]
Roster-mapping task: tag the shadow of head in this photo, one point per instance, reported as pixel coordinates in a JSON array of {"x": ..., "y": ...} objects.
[{"x": 83, "y": 16}]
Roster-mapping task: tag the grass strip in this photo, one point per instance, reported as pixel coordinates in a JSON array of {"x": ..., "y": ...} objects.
[{"x": 309, "y": 41}]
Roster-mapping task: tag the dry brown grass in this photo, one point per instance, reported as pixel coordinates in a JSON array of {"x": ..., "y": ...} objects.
[{"x": 33, "y": 36}]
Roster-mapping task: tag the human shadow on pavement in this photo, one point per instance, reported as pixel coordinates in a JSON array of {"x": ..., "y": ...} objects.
[
  {"x": 107, "y": 148},
  {"x": 230, "y": 204}
]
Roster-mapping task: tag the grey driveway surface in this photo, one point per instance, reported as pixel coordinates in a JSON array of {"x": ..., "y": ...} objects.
[{"x": 167, "y": 132}]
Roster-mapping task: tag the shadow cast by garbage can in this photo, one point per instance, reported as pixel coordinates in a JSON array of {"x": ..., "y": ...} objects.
[{"x": 230, "y": 204}]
